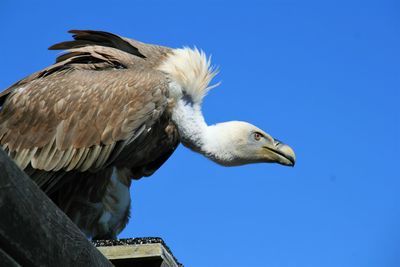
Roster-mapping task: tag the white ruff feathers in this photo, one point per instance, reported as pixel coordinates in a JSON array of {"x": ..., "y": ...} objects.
[{"x": 192, "y": 70}]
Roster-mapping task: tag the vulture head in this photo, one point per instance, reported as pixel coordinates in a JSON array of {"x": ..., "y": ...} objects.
[
  {"x": 236, "y": 143},
  {"x": 229, "y": 143}
]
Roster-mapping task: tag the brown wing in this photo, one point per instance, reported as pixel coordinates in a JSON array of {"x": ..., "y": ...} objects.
[
  {"x": 90, "y": 38},
  {"x": 72, "y": 119},
  {"x": 150, "y": 55}
]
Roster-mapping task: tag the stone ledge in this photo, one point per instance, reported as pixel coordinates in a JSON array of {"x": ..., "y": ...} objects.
[{"x": 148, "y": 251}]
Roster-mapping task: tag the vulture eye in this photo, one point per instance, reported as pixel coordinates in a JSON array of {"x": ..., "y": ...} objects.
[{"x": 257, "y": 136}]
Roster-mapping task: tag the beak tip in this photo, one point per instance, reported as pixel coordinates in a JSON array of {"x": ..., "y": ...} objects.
[
  {"x": 289, "y": 155},
  {"x": 291, "y": 163}
]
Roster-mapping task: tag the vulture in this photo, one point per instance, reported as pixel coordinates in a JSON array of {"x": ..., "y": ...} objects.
[{"x": 111, "y": 110}]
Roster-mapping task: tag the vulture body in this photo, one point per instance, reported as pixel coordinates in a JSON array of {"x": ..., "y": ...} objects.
[{"x": 112, "y": 109}]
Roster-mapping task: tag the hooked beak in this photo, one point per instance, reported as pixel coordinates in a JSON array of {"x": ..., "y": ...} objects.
[{"x": 280, "y": 153}]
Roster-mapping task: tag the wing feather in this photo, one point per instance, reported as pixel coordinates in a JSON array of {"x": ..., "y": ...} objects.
[
  {"x": 66, "y": 156},
  {"x": 90, "y": 38},
  {"x": 104, "y": 155},
  {"x": 72, "y": 120},
  {"x": 76, "y": 156}
]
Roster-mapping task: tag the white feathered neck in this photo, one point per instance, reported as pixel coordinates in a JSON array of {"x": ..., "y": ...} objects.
[{"x": 190, "y": 72}]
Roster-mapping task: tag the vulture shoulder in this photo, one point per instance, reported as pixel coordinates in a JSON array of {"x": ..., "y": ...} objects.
[{"x": 79, "y": 113}]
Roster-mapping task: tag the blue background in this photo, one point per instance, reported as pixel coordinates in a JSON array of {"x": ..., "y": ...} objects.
[{"x": 322, "y": 76}]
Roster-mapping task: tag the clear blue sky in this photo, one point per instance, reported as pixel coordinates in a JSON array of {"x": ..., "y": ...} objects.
[{"x": 323, "y": 76}]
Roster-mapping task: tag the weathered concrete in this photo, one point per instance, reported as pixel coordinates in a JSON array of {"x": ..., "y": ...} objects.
[{"x": 137, "y": 252}]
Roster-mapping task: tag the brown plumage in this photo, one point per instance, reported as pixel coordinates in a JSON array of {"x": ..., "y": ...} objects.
[{"x": 101, "y": 105}]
